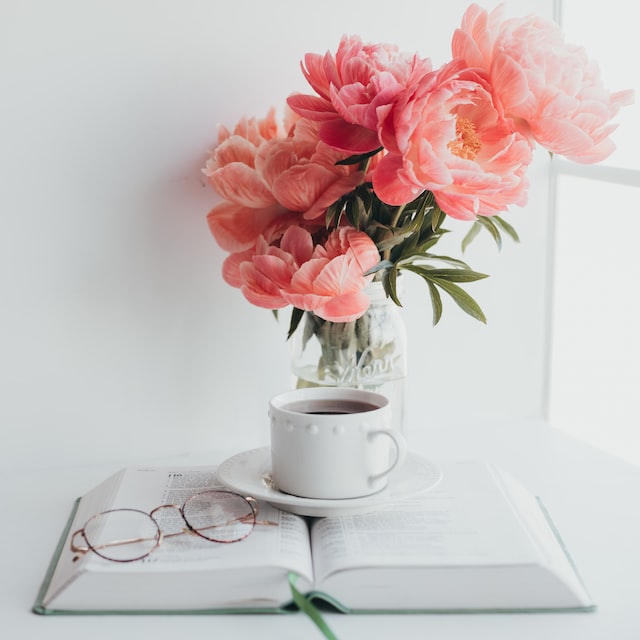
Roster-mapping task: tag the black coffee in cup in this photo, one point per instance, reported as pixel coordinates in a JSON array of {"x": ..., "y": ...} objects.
[{"x": 330, "y": 407}]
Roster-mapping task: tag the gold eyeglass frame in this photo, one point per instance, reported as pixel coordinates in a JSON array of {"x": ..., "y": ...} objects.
[{"x": 250, "y": 518}]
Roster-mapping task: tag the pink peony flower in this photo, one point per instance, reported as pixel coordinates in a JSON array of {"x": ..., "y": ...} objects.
[
  {"x": 263, "y": 271},
  {"x": 268, "y": 180},
  {"x": 448, "y": 137},
  {"x": 355, "y": 90},
  {"x": 550, "y": 90},
  {"x": 230, "y": 169},
  {"x": 328, "y": 280},
  {"x": 249, "y": 209},
  {"x": 331, "y": 283},
  {"x": 237, "y": 228},
  {"x": 301, "y": 172}
]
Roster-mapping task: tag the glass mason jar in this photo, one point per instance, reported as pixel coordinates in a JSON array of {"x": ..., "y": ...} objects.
[{"x": 368, "y": 353}]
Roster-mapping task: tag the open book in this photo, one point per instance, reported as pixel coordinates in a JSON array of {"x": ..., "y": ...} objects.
[{"x": 477, "y": 542}]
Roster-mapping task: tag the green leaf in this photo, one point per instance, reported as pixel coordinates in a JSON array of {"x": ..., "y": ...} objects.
[
  {"x": 393, "y": 240},
  {"x": 425, "y": 204},
  {"x": 421, "y": 250},
  {"x": 355, "y": 159},
  {"x": 390, "y": 283},
  {"x": 462, "y": 299},
  {"x": 383, "y": 264},
  {"x": 489, "y": 225},
  {"x": 451, "y": 275},
  {"x": 332, "y": 212},
  {"x": 437, "y": 217},
  {"x": 459, "y": 275},
  {"x": 296, "y": 316},
  {"x": 449, "y": 260},
  {"x": 507, "y": 228},
  {"x": 444, "y": 278},
  {"x": 436, "y": 303},
  {"x": 472, "y": 233},
  {"x": 352, "y": 212},
  {"x": 366, "y": 196}
]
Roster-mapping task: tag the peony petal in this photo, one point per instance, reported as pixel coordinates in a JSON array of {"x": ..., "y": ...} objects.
[
  {"x": 389, "y": 182},
  {"x": 315, "y": 73},
  {"x": 301, "y": 185},
  {"x": 263, "y": 300},
  {"x": 341, "y": 275},
  {"x": 311, "y": 107},
  {"x": 231, "y": 267},
  {"x": 257, "y": 130},
  {"x": 236, "y": 228},
  {"x": 351, "y": 138},
  {"x": 303, "y": 279},
  {"x": 304, "y": 301},
  {"x": 460, "y": 207},
  {"x": 364, "y": 251},
  {"x": 562, "y": 136},
  {"x": 299, "y": 243},
  {"x": 333, "y": 192},
  {"x": 345, "y": 308},
  {"x": 241, "y": 184},
  {"x": 511, "y": 85},
  {"x": 274, "y": 269},
  {"x": 464, "y": 46},
  {"x": 278, "y": 156},
  {"x": 233, "y": 149},
  {"x": 259, "y": 289}
]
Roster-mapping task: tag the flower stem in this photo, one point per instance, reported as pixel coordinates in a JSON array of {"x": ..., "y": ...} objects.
[{"x": 394, "y": 221}]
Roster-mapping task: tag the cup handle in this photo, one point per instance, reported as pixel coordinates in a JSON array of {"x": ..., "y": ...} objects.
[{"x": 401, "y": 451}]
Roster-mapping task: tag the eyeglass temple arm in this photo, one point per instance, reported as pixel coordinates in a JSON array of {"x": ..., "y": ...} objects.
[
  {"x": 246, "y": 518},
  {"x": 253, "y": 503},
  {"x": 113, "y": 543}
]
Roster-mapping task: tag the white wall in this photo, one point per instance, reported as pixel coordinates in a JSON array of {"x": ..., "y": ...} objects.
[{"x": 118, "y": 338}]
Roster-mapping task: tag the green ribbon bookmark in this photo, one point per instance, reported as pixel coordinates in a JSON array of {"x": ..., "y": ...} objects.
[{"x": 309, "y": 609}]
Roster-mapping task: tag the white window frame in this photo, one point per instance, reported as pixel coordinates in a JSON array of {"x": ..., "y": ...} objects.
[{"x": 560, "y": 167}]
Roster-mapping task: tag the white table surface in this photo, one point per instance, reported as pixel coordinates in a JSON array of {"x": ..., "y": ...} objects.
[{"x": 593, "y": 498}]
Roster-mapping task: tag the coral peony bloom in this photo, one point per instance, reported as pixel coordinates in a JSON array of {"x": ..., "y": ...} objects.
[
  {"x": 230, "y": 169},
  {"x": 263, "y": 271},
  {"x": 301, "y": 172},
  {"x": 328, "y": 280},
  {"x": 550, "y": 89},
  {"x": 249, "y": 209},
  {"x": 237, "y": 228},
  {"x": 331, "y": 283},
  {"x": 355, "y": 90},
  {"x": 267, "y": 180},
  {"x": 447, "y": 136}
]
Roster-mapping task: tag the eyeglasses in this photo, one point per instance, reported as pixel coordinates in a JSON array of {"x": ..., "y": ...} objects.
[{"x": 126, "y": 535}]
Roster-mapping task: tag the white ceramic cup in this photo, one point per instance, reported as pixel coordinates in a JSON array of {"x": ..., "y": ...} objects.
[{"x": 333, "y": 443}]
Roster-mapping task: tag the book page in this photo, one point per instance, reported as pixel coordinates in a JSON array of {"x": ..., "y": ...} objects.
[
  {"x": 542, "y": 529},
  {"x": 282, "y": 543},
  {"x": 465, "y": 521}
]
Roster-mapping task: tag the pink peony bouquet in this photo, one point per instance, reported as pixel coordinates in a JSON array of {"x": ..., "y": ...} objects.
[{"x": 358, "y": 179}]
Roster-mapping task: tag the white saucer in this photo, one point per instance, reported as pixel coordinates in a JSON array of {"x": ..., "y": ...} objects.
[{"x": 250, "y": 473}]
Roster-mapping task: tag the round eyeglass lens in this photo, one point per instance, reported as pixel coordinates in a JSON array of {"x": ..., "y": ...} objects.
[
  {"x": 219, "y": 516},
  {"x": 122, "y": 535}
]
